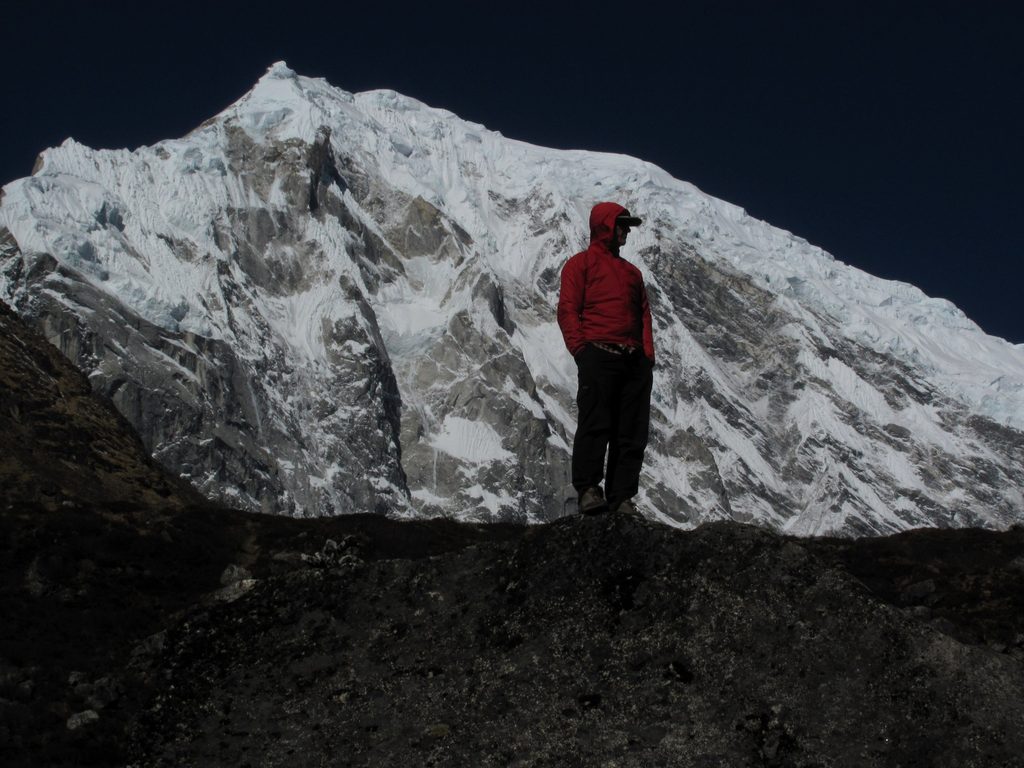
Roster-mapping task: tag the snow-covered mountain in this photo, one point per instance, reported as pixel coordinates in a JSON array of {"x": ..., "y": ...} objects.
[{"x": 321, "y": 302}]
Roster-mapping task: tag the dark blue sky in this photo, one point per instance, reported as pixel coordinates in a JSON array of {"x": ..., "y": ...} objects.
[{"x": 889, "y": 134}]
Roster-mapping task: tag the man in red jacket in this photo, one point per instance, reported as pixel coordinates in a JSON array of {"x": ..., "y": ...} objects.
[{"x": 606, "y": 323}]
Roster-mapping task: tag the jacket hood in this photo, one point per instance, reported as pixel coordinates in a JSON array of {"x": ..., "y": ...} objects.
[{"x": 602, "y": 224}]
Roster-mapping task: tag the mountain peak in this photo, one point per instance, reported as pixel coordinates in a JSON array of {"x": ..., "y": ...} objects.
[{"x": 279, "y": 70}]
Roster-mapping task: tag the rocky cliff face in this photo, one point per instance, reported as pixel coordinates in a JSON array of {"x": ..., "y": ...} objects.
[{"x": 320, "y": 303}]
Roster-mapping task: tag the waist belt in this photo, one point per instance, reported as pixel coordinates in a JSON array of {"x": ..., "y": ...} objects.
[{"x": 616, "y": 349}]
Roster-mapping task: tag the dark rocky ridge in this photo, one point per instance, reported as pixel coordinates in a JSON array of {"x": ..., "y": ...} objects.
[
  {"x": 144, "y": 629},
  {"x": 61, "y": 445}
]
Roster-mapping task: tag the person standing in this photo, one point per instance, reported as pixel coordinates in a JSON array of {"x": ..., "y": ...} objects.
[{"x": 605, "y": 320}]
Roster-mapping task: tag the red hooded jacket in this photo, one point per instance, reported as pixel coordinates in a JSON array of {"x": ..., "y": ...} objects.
[{"x": 602, "y": 297}]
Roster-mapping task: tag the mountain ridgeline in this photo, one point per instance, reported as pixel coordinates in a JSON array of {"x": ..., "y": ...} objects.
[{"x": 320, "y": 303}]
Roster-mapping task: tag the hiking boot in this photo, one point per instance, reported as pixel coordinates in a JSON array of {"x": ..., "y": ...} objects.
[
  {"x": 592, "y": 501},
  {"x": 626, "y": 508}
]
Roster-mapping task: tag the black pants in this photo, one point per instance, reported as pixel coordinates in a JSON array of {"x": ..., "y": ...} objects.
[{"x": 614, "y": 401}]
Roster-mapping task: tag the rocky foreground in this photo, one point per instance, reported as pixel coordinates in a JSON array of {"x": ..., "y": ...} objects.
[
  {"x": 143, "y": 627},
  {"x": 208, "y": 637}
]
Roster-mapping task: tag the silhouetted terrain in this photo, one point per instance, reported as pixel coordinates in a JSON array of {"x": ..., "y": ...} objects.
[{"x": 142, "y": 626}]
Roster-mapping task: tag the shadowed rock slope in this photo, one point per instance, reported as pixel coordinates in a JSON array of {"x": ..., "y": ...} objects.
[
  {"x": 150, "y": 631},
  {"x": 60, "y": 445},
  {"x": 583, "y": 642}
]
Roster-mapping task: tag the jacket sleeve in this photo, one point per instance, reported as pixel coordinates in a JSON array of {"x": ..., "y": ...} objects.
[
  {"x": 570, "y": 304},
  {"x": 648, "y": 332}
]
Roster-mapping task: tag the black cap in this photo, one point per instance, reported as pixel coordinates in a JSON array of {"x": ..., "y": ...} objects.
[{"x": 627, "y": 220}]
